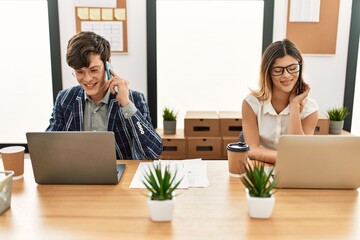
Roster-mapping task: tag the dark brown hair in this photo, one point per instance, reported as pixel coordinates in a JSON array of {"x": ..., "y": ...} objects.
[{"x": 82, "y": 45}]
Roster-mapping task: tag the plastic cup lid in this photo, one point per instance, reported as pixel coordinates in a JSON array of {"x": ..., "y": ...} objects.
[
  {"x": 14, "y": 149},
  {"x": 238, "y": 147}
]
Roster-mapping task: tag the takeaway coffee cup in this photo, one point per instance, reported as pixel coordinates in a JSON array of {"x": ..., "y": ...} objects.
[
  {"x": 13, "y": 160},
  {"x": 237, "y": 156}
]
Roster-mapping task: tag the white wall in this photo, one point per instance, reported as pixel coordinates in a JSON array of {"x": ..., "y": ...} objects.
[
  {"x": 201, "y": 58},
  {"x": 26, "y": 96},
  {"x": 326, "y": 74},
  {"x": 131, "y": 66}
]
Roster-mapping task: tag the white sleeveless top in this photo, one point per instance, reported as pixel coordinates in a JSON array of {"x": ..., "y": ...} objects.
[{"x": 271, "y": 125}]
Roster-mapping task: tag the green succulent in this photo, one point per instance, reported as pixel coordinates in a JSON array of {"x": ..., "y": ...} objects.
[
  {"x": 258, "y": 181},
  {"x": 161, "y": 182},
  {"x": 338, "y": 113},
  {"x": 169, "y": 114}
]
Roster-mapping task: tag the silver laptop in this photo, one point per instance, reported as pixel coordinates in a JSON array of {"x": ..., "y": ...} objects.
[
  {"x": 74, "y": 157},
  {"x": 318, "y": 161}
]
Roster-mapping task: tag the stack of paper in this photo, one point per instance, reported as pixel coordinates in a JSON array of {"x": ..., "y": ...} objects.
[{"x": 193, "y": 172}]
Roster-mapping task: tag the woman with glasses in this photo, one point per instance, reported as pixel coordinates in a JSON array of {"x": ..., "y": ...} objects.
[
  {"x": 103, "y": 101},
  {"x": 280, "y": 105}
]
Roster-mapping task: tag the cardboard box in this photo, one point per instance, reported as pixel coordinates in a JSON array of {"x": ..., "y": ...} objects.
[
  {"x": 322, "y": 126},
  {"x": 202, "y": 124},
  {"x": 174, "y": 149},
  {"x": 224, "y": 142},
  {"x": 174, "y": 146},
  {"x": 230, "y": 123},
  {"x": 205, "y": 148}
]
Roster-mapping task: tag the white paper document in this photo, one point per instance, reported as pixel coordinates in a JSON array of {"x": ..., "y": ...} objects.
[{"x": 193, "y": 172}]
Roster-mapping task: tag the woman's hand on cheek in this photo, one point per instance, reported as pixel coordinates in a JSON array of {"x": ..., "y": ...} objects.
[{"x": 295, "y": 97}]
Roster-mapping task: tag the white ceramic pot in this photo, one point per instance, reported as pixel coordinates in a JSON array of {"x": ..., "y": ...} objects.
[
  {"x": 161, "y": 210},
  {"x": 260, "y": 207}
]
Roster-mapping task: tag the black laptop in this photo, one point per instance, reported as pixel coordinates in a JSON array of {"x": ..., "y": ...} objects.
[{"x": 74, "y": 157}]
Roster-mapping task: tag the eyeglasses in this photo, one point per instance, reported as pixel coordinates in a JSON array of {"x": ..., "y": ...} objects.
[
  {"x": 291, "y": 69},
  {"x": 93, "y": 72}
]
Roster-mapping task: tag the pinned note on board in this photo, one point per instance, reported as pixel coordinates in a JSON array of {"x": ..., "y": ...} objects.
[
  {"x": 95, "y": 14},
  {"x": 83, "y": 13},
  {"x": 120, "y": 13},
  {"x": 107, "y": 14}
]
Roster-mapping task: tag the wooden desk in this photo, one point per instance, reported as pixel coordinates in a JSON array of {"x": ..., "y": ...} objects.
[{"x": 216, "y": 212}]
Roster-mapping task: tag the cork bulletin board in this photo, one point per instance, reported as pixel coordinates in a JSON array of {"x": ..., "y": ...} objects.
[
  {"x": 106, "y": 18},
  {"x": 316, "y": 37}
]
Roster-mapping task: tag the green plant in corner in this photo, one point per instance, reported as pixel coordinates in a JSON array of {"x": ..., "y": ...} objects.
[
  {"x": 169, "y": 114},
  {"x": 338, "y": 113},
  {"x": 258, "y": 181},
  {"x": 161, "y": 182}
]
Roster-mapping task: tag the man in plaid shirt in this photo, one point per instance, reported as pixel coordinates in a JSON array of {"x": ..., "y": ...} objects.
[{"x": 104, "y": 103}]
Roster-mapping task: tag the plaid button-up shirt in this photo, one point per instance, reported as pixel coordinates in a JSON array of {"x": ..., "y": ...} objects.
[{"x": 135, "y": 135}]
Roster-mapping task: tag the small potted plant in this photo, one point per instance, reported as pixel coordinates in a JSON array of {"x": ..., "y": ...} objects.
[
  {"x": 161, "y": 183},
  {"x": 337, "y": 116},
  {"x": 259, "y": 183},
  {"x": 169, "y": 118}
]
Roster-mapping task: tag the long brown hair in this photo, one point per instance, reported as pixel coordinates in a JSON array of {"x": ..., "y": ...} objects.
[{"x": 274, "y": 51}]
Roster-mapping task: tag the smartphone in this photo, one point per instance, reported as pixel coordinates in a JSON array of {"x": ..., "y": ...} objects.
[
  {"x": 300, "y": 81},
  {"x": 109, "y": 67}
]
